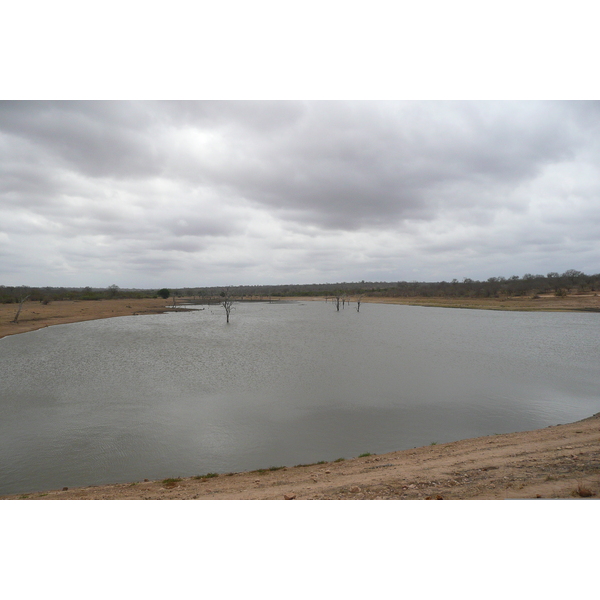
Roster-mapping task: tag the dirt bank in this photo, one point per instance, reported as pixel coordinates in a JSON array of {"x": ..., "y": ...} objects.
[
  {"x": 546, "y": 303},
  {"x": 36, "y": 315},
  {"x": 555, "y": 462}
]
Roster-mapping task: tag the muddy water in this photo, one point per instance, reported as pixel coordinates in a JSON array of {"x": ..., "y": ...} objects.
[{"x": 184, "y": 393}]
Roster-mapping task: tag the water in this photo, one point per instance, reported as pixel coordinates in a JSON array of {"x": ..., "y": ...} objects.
[{"x": 159, "y": 396}]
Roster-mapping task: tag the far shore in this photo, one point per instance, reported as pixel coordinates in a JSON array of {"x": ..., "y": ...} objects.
[{"x": 36, "y": 315}]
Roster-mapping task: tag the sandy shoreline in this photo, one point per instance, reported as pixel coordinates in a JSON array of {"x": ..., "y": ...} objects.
[
  {"x": 562, "y": 461},
  {"x": 36, "y": 315}
]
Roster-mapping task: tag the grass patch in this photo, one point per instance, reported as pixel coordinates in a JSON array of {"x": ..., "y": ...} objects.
[
  {"x": 24, "y": 497},
  {"x": 263, "y": 471},
  {"x": 433, "y": 444},
  {"x": 339, "y": 460},
  {"x": 321, "y": 462},
  {"x": 207, "y": 476},
  {"x": 364, "y": 454},
  {"x": 171, "y": 482}
]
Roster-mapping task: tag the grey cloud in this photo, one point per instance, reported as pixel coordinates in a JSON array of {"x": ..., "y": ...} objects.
[
  {"x": 159, "y": 184},
  {"x": 354, "y": 165},
  {"x": 95, "y": 138},
  {"x": 258, "y": 117},
  {"x": 201, "y": 226},
  {"x": 182, "y": 244},
  {"x": 336, "y": 165}
]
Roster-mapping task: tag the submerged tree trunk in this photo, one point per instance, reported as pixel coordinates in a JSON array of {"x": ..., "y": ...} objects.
[
  {"x": 358, "y": 300},
  {"x": 226, "y": 304}
]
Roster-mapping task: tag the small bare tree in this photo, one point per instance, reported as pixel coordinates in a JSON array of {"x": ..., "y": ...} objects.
[
  {"x": 226, "y": 303},
  {"x": 337, "y": 299},
  {"x": 358, "y": 301},
  {"x": 21, "y": 300}
]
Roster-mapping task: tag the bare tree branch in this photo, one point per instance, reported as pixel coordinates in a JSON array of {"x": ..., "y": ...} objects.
[{"x": 226, "y": 303}]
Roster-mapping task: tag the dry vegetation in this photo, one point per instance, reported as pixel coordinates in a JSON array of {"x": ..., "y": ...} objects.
[{"x": 36, "y": 315}]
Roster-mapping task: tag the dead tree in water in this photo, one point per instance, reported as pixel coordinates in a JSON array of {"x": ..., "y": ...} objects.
[
  {"x": 337, "y": 302},
  {"x": 358, "y": 301},
  {"x": 226, "y": 303}
]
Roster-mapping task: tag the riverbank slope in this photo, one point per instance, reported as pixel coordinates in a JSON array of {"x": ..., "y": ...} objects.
[
  {"x": 562, "y": 461},
  {"x": 36, "y": 315}
]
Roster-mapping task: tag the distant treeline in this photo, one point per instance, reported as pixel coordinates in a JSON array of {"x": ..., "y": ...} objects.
[
  {"x": 10, "y": 294},
  {"x": 569, "y": 282}
]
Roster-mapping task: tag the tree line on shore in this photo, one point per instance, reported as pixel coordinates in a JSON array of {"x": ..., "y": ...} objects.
[{"x": 559, "y": 284}]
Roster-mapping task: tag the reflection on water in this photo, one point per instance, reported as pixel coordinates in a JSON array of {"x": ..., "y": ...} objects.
[{"x": 183, "y": 393}]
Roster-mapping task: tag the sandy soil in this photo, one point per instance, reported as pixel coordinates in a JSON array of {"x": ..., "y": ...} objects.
[
  {"x": 36, "y": 315},
  {"x": 584, "y": 302},
  {"x": 562, "y": 461}
]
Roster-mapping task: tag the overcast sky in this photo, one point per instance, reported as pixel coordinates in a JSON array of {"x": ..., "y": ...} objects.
[{"x": 172, "y": 194}]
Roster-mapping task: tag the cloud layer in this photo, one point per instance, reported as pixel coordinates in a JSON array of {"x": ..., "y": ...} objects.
[{"x": 153, "y": 194}]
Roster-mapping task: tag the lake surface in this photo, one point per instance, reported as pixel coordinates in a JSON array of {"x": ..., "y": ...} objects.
[{"x": 181, "y": 394}]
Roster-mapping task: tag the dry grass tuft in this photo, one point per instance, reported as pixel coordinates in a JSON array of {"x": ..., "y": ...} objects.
[{"x": 583, "y": 492}]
